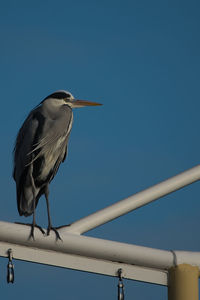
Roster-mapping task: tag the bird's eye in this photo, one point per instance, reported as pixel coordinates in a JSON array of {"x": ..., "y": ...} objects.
[{"x": 67, "y": 98}]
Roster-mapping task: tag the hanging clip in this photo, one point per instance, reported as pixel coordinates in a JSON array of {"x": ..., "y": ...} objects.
[
  {"x": 120, "y": 285},
  {"x": 10, "y": 267}
]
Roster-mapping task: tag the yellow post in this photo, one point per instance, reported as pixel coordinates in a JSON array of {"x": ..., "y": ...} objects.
[{"x": 183, "y": 283}]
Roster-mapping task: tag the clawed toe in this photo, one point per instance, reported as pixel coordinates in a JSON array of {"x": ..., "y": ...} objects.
[
  {"x": 55, "y": 229},
  {"x": 63, "y": 226},
  {"x": 56, "y": 232},
  {"x": 40, "y": 228},
  {"x": 31, "y": 236}
]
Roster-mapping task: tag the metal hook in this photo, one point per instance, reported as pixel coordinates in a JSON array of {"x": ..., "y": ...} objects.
[
  {"x": 10, "y": 267},
  {"x": 120, "y": 285}
]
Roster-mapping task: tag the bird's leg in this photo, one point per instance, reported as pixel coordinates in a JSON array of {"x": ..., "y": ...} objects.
[
  {"x": 33, "y": 223},
  {"x": 34, "y": 200},
  {"x": 50, "y": 227},
  {"x": 48, "y": 210}
]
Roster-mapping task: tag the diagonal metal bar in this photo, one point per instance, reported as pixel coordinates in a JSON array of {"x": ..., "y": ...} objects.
[{"x": 135, "y": 201}]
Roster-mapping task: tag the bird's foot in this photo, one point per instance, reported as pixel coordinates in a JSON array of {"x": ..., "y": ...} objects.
[
  {"x": 31, "y": 236},
  {"x": 32, "y": 229},
  {"x": 55, "y": 230}
]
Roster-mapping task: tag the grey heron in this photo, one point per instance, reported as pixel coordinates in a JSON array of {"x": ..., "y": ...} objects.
[{"x": 41, "y": 146}]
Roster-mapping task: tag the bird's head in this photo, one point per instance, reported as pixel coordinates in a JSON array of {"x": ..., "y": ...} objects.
[{"x": 65, "y": 97}]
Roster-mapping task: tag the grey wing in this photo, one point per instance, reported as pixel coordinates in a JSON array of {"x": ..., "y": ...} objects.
[
  {"x": 23, "y": 145},
  {"x": 22, "y": 173}
]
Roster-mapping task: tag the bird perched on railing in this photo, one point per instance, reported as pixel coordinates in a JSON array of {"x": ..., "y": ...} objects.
[{"x": 41, "y": 146}]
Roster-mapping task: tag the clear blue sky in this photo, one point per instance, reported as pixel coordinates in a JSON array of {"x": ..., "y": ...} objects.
[{"x": 141, "y": 60}]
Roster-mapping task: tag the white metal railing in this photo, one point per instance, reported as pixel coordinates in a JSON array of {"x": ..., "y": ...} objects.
[
  {"x": 98, "y": 255},
  {"x": 97, "y": 248}
]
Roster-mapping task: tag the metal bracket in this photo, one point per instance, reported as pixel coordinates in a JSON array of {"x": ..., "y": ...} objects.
[
  {"x": 120, "y": 285},
  {"x": 10, "y": 267}
]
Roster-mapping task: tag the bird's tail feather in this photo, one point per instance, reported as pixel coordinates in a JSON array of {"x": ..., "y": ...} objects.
[
  {"x": 25, "y": 201},
  {"x": 27, "y": 194}
]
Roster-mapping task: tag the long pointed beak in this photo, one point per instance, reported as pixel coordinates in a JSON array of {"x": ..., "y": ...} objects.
[{"x": 82, "y": 103}]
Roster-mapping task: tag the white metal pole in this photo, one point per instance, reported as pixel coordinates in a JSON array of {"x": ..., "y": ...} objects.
[
  {"x": 96, "y": 248},
  {"x": 140, "y": 199}
]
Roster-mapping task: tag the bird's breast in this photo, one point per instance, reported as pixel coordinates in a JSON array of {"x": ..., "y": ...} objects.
[{"x": 54, "y": 154}]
